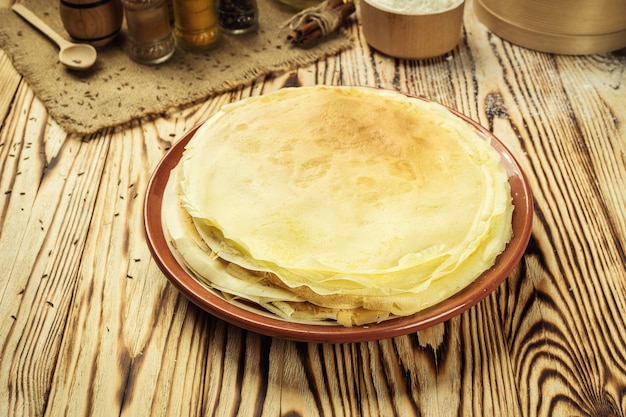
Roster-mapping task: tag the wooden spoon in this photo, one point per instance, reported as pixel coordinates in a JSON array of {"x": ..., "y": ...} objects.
[{"x": 76, "y": 56}]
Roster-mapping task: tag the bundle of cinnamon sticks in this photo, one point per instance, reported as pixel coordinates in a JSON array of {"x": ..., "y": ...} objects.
[{"x": 319, "y": 21}]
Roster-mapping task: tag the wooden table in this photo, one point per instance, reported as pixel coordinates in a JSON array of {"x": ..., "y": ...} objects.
[{"x": 89, "y": 326}]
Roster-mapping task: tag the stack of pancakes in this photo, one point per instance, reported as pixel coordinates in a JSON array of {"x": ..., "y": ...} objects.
[{"x": 337, "y": 205}]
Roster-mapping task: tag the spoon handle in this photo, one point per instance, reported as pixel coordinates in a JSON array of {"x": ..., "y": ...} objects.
[{"x": 39, "y": 24}]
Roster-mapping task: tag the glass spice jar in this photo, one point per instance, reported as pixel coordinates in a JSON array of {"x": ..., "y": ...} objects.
[
  {"x": 150, "y": 39},
  {"x": 195, "y": 24},
  {"x": 237, "y": 16}
]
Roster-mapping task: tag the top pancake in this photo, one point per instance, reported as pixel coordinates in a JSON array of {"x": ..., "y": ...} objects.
[{"x": 348, "y": 191}]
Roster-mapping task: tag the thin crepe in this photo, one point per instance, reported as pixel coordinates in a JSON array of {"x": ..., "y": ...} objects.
[{"x": 348, "y": 197}]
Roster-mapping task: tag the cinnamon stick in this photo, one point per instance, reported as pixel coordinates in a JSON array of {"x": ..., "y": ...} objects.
[{"x": 309, "y": 29}]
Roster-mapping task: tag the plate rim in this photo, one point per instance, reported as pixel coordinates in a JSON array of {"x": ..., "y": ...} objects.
[{"x": 458, "y": 303}]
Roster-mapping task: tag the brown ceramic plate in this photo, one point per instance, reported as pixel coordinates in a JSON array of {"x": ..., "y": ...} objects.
[{"x": 256, "y": 321}]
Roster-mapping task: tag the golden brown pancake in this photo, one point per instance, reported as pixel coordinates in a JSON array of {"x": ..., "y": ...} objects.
[{"x": 346, "y": 204}]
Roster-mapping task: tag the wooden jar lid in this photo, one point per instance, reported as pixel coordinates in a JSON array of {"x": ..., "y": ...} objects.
[{"x": 572, "y": 27}]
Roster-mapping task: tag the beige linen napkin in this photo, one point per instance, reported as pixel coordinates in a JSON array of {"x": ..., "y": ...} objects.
[{"x": 118, "y": 90}]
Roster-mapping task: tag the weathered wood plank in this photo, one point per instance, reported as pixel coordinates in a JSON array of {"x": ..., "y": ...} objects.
[
  {"x": 45, "y": 221},
  {"x": 89, "y": 325},
  {"x": 9, "y": 81},
  {"x": 567, "y": 128}
]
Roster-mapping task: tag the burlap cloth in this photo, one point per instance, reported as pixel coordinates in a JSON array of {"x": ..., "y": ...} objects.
[{"x": 118, "y": 90}]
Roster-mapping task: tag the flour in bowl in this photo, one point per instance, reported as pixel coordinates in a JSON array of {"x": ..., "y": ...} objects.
[{"x": 415, "y": 7}]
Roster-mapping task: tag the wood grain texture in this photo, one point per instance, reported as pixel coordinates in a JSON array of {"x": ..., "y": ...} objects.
[{"x": 89, "y": 326}]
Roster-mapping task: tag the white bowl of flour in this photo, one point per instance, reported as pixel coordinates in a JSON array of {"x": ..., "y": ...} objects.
[{"x": 412, "y": 29}]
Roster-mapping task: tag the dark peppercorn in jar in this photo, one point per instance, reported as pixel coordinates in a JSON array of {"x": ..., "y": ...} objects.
[{"x": 237, "y": 16}]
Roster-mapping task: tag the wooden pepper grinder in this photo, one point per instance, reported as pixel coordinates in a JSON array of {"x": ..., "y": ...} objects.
[{"x": 96, "y": 22}]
